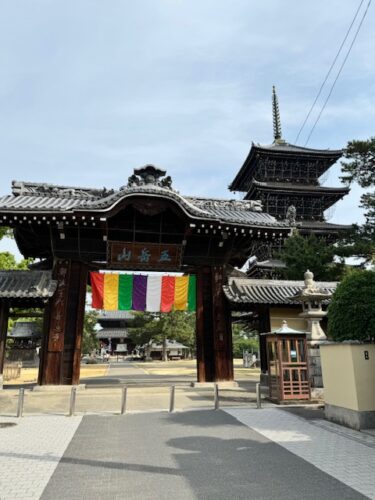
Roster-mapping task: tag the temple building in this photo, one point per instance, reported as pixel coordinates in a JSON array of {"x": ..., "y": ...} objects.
[
  {"x": 113, "y": 334},
  {"x": 286, "y": 179}
]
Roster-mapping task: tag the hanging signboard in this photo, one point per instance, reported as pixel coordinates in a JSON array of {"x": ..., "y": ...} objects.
[{"x": 128, "y": 255}]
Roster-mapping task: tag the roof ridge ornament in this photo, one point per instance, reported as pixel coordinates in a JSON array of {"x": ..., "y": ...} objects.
[
  {"x": 276, "y": 118},
  {"x": 43, "y": 189},
  {"x": 149, "y": 175}
]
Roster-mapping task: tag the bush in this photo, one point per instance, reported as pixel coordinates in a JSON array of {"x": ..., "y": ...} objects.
[{"x": 351, "y": 314}]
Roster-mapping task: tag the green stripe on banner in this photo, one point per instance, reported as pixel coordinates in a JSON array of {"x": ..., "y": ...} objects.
[
  {"x": 125, "y": 292},
  {"x": 192, "y": 293}
]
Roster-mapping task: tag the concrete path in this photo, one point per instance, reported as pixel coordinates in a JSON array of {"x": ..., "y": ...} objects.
[
  {"x": 129, "y": 373},
  {"x": 190, "y": 455},
  {"x": 347, "y": 455},
  {"x": 238, "y": 453}
]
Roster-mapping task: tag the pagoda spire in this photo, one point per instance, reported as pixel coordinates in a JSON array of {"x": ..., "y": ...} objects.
[{"x": 276, "y": 116}]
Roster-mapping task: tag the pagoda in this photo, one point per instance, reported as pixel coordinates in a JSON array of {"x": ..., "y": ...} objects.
[{"x": 285, "y": 178}]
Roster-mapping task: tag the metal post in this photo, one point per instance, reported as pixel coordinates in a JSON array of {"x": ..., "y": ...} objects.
[
  {"x": 123, "y": 400},
  {"x": 258, "y": 393},
  {"x": 72, "y": 405},
  {"x": 21, "y": 397},
  {"x": 216, "y": 397},
  {"x": 171, "y": 399}
]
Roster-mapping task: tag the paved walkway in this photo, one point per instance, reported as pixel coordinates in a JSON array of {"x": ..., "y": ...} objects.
[
  {"x": 30, "y": 451},
  {"x": 347, "y": 455},
  {"x": 204, "y": 454}
]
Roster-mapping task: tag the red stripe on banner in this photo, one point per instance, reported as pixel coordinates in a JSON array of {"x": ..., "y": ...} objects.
[
  {"x": 167, "y": 293},
  {"x": 97, "y": 288}
]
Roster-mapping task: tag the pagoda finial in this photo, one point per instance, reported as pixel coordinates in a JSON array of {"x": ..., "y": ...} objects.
[{"x": 276, "y": 116}]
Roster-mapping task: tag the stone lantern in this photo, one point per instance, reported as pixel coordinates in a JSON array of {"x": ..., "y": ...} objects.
[{"x": 311, "y": 298}]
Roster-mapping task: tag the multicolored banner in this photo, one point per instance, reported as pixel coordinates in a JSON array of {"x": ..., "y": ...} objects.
[{"x": 114, "y": 291}]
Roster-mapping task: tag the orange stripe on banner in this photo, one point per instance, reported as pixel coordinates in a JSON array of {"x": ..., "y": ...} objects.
[
  {"x": 181, "y": 293},
  {"x": 167, "y": 293},
  {"x": 110, "y": 302},
  {"x": 97, "y": 288}
]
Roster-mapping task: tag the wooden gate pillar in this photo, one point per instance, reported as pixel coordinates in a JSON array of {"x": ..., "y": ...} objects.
[
  {"x": 264, "y": 327},
  {"x": 214, "y": 331},
  {"x": 4, "y": 315},
  {"x": 63, "y": 325}
]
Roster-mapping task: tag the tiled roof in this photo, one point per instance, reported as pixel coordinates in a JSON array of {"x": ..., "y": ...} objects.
[
  {"x": 113, "y": 333},
  {"x": 258, "y": 291},
  {"x": 44, "y": 198},
  {"x": 26, "y": 285},
  {"x": 323, "y": 226},
  {"x": 286, "y": 147},
  {"x": 116, "y": 315},
  {"x": 25, "y": 329},
  {"x": 281, "y": 151},
  {"x": 305, "y": 188},
  {"x": 171, "y": 344}
]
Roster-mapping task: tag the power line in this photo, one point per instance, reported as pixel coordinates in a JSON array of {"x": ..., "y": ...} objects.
[
  {"x": 329, "y": 71},
  {"x": 339, "y": 72}
]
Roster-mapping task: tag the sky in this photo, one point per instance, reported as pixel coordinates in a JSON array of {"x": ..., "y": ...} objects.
[{"x": 90, "y": 89}]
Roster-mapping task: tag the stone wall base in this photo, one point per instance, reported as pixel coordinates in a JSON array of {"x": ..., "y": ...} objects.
[{"x": 351, "y": 418}]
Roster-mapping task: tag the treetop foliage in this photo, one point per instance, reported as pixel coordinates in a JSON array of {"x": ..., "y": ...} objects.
[
  {"x": 351, "y": 314},
  {"x": 8, "y": 261},
  {"x": 360, "y": 168},
  {"x": 175, "y": 325},
  {"x": 301, "y": 253}
]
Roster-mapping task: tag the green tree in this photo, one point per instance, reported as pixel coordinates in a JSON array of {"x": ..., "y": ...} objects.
[
  {"x": 351, "y": 314},
  {"x": 8, "y": 261},
  {"x": 359, "y": 166},
  {"x": 301, "y": 253},
  {"x": 358, "y": 242},
  {"x": 243, "y": 340},
  {"x": 158, "y": 327},
  {"x": 89, "y": 339}
]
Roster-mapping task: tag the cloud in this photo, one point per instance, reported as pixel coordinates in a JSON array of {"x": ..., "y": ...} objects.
[{"x": 90, "y": 90}]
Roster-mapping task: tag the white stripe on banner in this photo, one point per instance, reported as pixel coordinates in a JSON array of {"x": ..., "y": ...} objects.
[{"x": 153, "y": 294}]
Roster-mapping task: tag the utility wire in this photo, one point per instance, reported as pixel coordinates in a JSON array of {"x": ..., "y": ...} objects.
[
  {"x": 329, "y": 71},
  {"x": 339, "y": 72}
]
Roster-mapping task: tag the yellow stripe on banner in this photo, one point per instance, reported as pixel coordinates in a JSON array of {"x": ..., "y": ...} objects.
[
  {"x": 181, "y": 293},
  {"x": 110, "y": 299}
]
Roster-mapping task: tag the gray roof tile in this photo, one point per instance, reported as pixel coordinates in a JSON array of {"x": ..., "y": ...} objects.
[
  {"x": 26, "y": 284},
  {"x": 258, "y": 291},
  {"x": 113, "y": 333},
  {"x": 42, "y": 198},
  {"x": 117, "y": 315}
]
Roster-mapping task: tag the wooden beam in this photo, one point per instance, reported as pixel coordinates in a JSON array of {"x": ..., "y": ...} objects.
[{"x": 4, "y": 314}]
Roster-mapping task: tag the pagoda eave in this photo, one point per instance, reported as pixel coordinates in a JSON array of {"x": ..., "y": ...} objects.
[{"x": 281, "y": 153}]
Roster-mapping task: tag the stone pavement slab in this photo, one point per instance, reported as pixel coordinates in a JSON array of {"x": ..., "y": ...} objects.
[
  {"x": 30, "y": 452},
  {"x": 202, "y": 454},
  {"x": 344, "y": 454}
]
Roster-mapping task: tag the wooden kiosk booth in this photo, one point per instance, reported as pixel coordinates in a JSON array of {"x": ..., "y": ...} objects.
[{"x": 288, "y": 375}]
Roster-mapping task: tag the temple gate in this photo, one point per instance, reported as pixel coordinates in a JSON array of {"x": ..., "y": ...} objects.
[{"x": 75, "y": 230}]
